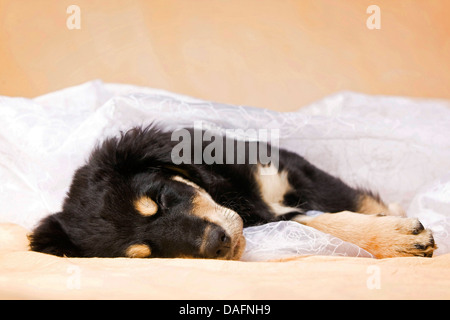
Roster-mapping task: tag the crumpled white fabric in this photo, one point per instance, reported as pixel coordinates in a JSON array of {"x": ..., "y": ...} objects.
[
  {"x": 393, "y": 145},
  {"x": 285, "y": 239}
]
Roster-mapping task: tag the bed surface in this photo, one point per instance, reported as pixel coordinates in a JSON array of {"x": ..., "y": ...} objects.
[{"x": 31, "y": 275}]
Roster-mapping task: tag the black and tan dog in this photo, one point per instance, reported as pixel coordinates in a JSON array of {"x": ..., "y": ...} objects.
[{"x": 130, "y": 200}]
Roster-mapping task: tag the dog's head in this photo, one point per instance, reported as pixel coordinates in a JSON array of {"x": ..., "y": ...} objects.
[{"x": 129, "y": 201}]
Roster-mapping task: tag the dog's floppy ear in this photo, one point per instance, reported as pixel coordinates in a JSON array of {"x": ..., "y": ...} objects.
[{"x": 50, "y": 237}]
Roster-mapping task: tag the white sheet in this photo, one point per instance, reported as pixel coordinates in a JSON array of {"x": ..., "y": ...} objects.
[{"x": 397, "y": 146}]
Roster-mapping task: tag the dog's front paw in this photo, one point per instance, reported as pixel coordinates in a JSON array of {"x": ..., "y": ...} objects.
[
  {"x": 383, "y": 236},
  {"x": 400, "y": 237}
]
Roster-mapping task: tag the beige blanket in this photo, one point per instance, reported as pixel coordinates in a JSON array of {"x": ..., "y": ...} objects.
[{"x": 31, "y": 275}]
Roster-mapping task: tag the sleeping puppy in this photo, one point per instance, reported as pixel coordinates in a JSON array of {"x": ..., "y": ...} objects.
[{"x": 131, "y": 200}]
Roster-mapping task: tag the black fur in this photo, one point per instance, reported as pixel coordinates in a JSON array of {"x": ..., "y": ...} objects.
[{"x": 98, "y": 218}]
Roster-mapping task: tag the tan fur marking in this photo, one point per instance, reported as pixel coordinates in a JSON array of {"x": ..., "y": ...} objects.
[
  {"x": 370, "y": 205},
  {"x": 396, "y": 209},
  {"x": 146, "y": 206},
  {"x": 206, "y": 208},
  {"x": 138, "y": 251},
  {"x": 183, "y": 180},
  {"x": 273, "y": 185},
  {"x": 177, "y": 169},
  {"x": 383, "y": 236}
]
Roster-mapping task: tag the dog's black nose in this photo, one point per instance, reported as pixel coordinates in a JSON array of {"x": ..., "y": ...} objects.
[{"x": 218, "y": 243}]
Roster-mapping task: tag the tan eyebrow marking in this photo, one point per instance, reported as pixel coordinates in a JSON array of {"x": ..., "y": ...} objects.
[
  {"x": 177, "y": 169},
  {"x": 138, "y": 251},
  {"x": 146, "y": 206},
  {"x": 183, "y": 180}
]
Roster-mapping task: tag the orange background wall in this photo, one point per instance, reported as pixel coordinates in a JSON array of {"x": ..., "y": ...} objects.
[{"x": 278, "y": 54}]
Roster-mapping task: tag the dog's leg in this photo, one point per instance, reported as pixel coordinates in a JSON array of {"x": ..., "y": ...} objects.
[
  {"x": 383, "y": 236},
  {"x": 369, "y": 204}
]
